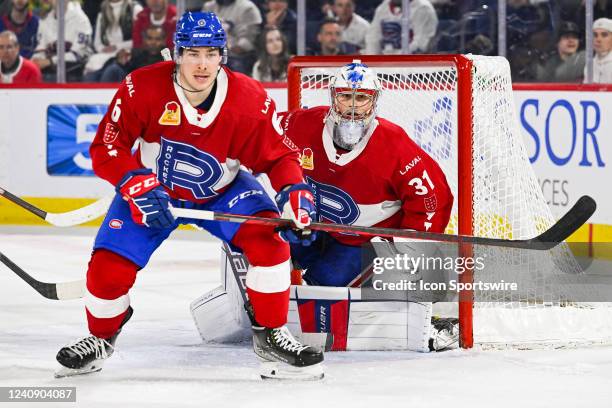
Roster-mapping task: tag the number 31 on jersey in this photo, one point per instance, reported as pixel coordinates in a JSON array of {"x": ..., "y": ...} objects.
[{"x": 419, "y": 186}]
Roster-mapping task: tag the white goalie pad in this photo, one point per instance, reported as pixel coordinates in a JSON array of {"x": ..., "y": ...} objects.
[
  {"x": 359, "y": 324},
  {"x": 355, "y": 323},
  {"x": 219, "y": 314}
]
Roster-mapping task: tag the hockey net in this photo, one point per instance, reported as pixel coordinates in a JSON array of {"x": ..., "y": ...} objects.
[{"x": 460, "y": 110}]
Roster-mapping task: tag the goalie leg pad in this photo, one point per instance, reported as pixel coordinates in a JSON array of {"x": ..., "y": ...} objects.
[{"x": 220, "y": 317}]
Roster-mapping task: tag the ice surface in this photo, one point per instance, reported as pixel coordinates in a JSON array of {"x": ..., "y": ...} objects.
[{"x": 161, "y": 362}]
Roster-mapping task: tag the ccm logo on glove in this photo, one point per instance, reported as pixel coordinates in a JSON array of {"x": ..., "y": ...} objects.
[
  {"x": 149, "y": 202},
  {"x": 141, "y": 184}
]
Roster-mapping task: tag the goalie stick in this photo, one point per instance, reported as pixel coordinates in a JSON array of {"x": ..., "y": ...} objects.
[
  {"x": 54, "y": 291},
  {"x": 557, "y": 233}
]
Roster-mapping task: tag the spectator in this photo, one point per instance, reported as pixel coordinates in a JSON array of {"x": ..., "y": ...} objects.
[
  {"x": 154, "y": 40},
  {"x": 353, "y": 26},
  {"x": 241, "y": 20},
  {"x": 24, "y": 24},
  {"x": 15, "y": 69},
  {"x": 113, "y": 33},
  {"x": 384, "y": 34},
  {"x": 77, "y": 42},
  {"x": 156, "y": 13},
  {"x": 567, "y": 63},
  {"x": 602, "y": 43},
  {"x": 279, "y": 15},
  {"x": 273, "y": 57},
  {"x": 479, "y": 45},
  {"x": 328, "y": 40},
  {"x": 522, "y": 65}
]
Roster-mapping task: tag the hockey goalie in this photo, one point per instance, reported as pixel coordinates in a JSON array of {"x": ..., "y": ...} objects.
[{"x": 364, "y": 171}]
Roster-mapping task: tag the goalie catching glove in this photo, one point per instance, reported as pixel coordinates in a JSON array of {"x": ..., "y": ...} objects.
[
  {"x": 149, "y": 202},
  {"x": 297, "y": 204}
]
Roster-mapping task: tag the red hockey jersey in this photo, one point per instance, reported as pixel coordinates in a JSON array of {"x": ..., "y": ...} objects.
[
  {"x": 195, "y": 154},
  {"x": 387, "y": 180}
]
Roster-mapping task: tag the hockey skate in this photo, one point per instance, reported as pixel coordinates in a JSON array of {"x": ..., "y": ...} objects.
[
  {"x": 444, "y": 333},
  {"x": 283, "y": 357},
  {"x": 87, "y": 355}
]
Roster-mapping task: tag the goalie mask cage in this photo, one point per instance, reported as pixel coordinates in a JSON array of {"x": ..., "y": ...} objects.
[{"x": 460, "y": 110}]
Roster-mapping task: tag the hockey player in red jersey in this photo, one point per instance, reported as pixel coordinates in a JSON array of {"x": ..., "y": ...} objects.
[
  {"x": 196, "y": 123},
  {"x": 365, "y": 171}
]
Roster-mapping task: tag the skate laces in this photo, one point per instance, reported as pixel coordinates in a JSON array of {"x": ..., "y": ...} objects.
[
  {"x": 91, "y": 344},
  {"x": 284, "y": 338}
]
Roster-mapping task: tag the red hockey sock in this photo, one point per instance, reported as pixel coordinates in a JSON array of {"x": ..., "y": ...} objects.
[
  {"x": 109, "y": 278},
  {"x": 263, "y": 249},
  {"x": 270, "y": 308}
]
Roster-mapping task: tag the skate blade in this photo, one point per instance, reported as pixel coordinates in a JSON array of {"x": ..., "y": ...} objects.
[
  {"x": 274, "y": 370},
  {"x": 92, "y": 367}
]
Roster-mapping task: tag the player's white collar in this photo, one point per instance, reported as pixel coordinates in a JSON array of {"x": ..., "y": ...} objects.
[
  {"x": 330, "y": 149},
  {"x": 191, "y": 113}
]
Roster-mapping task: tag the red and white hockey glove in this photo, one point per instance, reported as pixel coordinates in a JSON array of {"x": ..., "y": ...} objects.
[
  {"x": 297, "y": 203},
  {"x": 149, "y": 202}
]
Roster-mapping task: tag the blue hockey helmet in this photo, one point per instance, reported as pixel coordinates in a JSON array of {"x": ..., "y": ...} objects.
[{"x": 199, "y": 29}]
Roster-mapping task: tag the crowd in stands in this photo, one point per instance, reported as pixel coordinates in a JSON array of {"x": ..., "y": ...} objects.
[{"x": 105, "y": 40}]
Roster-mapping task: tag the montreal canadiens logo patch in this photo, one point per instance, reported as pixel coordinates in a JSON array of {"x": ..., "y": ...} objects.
[
  {"x": 171, "y": 115},
  {"x": 115, "y": 223},
  {"x": 110, "y": 133}
]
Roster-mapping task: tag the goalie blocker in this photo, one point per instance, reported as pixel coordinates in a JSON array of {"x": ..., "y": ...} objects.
[{"x": 354, "y": 323}]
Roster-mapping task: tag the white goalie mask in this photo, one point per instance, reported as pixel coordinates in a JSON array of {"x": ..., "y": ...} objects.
[{"x": 354, "y": 93}]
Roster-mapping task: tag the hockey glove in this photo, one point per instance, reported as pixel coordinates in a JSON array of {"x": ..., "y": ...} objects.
[
  {"x": 149, "y": 202},
  {"x": 297, "y": 204}
]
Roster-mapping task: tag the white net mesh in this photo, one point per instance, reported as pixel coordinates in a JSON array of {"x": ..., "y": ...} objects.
[{"x": 422, "y": 97}]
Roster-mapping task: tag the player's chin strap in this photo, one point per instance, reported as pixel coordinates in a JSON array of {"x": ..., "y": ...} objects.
[{"x": 167, "y": 57}]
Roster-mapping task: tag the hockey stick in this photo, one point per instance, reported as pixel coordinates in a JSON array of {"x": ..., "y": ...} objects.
[
  {"x": 557, "y": 233},
  {"x": 54, "y": 291},
  {"x": 67, "y": 219}
]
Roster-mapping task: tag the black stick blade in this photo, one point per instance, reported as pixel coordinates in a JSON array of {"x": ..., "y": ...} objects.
[{"x": 576, "y": 217}]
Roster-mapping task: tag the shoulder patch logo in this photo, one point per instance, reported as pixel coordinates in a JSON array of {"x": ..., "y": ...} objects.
[
  {"x": 431, "y": 203},
  {"x": 307, "y": 159},
  {"x": 110, "y": 133},
  {"x": 171, "y": 115}
]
